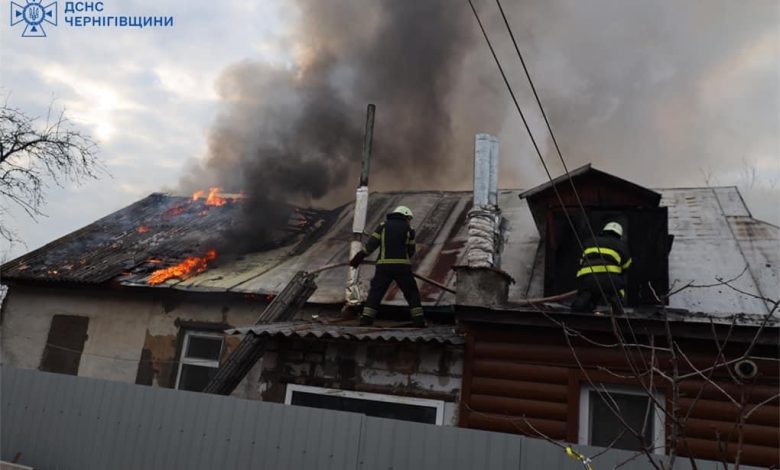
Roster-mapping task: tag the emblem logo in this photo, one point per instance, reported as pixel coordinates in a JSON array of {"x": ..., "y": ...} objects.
[{"x": 34, "y": 14}]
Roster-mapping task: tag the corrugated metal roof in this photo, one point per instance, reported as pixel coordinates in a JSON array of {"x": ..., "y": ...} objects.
[
  {"x": 714, "y": 237},
  {"x": 434, "y": 334}
]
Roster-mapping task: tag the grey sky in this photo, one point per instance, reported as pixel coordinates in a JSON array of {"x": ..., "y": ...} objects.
[{"x": 664, "y": 93}]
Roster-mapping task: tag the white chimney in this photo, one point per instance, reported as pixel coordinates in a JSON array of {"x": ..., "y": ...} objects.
[{"x": 493, "y": 193}]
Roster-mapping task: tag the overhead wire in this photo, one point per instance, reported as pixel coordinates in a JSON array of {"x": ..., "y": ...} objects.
[
  {"x": 554, "y": 140},
  {"x": 556, "y": 145},
  {"x": 531, "y": 135}
]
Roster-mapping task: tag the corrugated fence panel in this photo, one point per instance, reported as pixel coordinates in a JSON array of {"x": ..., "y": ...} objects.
[
  {"x": 54, "y": 421},
  {"x": 391, "y": 444},
  {"x": 62, "y": 422}
]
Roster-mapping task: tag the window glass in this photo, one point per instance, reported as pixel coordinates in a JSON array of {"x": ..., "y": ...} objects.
[
  {"x": 199, "y": 360},
  {"x": 195, "y": 378},
  {"x": 202, "y": 347},
  {"x": 380, "y": 409},
  {"x": 605, "y": 426}
]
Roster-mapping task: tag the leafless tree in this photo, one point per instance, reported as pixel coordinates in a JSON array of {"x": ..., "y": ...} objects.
[
  {"x": 35, "y": 153},
  {"x": 661, "y": 365}
]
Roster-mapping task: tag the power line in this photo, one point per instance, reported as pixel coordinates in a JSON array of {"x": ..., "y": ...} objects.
[
  {"x": 560, "y": 156},
  {"x": 101, "y": 356},
  {"x": 531, "y": 136},
  {"x": 555, "y": 140}
]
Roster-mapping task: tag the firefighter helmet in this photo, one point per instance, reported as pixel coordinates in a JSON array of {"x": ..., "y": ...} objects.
[
  {"x": 403, "y": 210},
  {"x": 615, "y": 228}
]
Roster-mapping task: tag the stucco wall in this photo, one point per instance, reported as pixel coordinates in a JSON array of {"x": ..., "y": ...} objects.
[
  {"x": 133, "y": 336},
  {"x": 121, "y": 326}
]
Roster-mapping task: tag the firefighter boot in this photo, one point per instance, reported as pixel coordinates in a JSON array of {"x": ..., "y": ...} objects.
[
  {"x": 367, "y": 317},
  {"x": 418, "y": 319}
]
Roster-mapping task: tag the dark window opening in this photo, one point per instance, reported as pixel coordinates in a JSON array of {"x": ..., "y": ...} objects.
[
  {"x": 64, "y": 344},
  {"x": 379, "y": 409},
  {"x": 645, "y": 233},
  {"x": 195, "y": 378},
  {"x": 606, "y": 427}
]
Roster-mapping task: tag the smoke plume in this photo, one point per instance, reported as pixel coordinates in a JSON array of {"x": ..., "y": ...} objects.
[
  {"x": 294, "y": 134},
  {"x": 664, "y": 94}
]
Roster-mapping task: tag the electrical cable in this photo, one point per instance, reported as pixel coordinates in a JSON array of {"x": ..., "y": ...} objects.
[
  {"x": 563, "y": 163},
  {"x": 555, "y": 142},
  {"x": 531, "y": 136}
]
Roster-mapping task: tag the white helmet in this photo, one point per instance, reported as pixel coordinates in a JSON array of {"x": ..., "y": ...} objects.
[
  {"x": 614, "y": 227},
  {"x": 403, "y": 210}
]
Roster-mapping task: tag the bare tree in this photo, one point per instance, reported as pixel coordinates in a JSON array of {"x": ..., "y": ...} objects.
[
  {"x": 35, "y": 153},
  {"x": 660, "y": 364}
]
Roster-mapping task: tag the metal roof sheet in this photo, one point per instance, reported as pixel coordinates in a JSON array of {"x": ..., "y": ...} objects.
[
  {"x": 714, "y": 238},
  {"x": 588, "y": 169},
  {"x": 434, "y": 334}
]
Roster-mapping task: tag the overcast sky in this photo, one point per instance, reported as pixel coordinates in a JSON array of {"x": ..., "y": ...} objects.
[{"x": 149, "y": 97}]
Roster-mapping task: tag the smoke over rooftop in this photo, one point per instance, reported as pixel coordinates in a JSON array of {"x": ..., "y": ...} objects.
[
  {"x": 294, "y": 134},
  {"x": 663, "y": 94}
]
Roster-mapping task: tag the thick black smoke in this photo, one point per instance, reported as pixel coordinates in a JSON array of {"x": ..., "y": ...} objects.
[
  {"x": 294, "y": 134},
  {"x": 665, "y": 94}
]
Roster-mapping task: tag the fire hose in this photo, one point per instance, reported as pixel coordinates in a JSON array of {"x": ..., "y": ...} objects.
[
  {"x": 539, "y": 300},
  {"x": 418, "y": 276}
]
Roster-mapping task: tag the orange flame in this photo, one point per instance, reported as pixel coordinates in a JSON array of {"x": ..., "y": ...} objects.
[
  {"x": 188, "y": 267},
  {"x": 142, "y": 229},
  {"x": 214, "y": 199},
  {"x": 198, "y": 194},
  {"x": 174, "y": 211}
]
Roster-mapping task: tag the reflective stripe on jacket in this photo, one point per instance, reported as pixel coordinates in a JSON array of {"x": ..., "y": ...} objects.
[
  {"x": 395, "y": 240},
  {"x": 604, "y": 254}
]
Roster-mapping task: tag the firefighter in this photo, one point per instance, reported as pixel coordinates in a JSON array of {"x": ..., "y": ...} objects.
[
  {"x": 395, "y": 239},
  {"x": 604, "y": 262}
]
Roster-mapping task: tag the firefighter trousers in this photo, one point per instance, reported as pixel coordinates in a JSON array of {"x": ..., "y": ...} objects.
[
  {"x": 386, "y": 274},
  {"x": 589, "y": 293}
]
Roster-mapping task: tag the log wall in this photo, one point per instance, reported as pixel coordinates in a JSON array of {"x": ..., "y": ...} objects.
[{"x": 527, "y": 381}]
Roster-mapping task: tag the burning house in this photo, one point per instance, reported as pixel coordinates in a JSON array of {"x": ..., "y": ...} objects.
[{"x": 145, "y": 295}]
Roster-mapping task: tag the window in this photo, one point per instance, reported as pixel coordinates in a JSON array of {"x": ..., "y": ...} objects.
[
  {"x": 199, "y": 360},
  {"x": 599, "y": 425},
  {"x": 419, "y": 410}
]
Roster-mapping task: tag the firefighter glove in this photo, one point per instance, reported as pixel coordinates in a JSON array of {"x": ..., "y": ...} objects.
[{"x": 357, "y": 259}]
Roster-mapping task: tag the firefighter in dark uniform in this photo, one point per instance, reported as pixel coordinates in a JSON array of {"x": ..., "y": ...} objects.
[
  {"x": 395, "y": 239},
  {"x": 604, "y": 262}
]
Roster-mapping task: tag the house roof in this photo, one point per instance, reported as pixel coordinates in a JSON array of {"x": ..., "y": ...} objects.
[
  {"x": 562, "y": 182},
  {"x": 715, "y": 237},
  {"x": 434, "y": 334}
]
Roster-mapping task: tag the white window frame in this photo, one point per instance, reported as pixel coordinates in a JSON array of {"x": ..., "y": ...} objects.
[
  {"x": 183, "y": 359},
  {"x": 438, "y": 405},
  {"x": 658, "y": 417}
]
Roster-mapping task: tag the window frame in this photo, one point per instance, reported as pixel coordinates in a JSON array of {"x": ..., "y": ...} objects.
[
  {"x": 184, "y": 360},
  {"x": 438, "y": 405},
  {"x": 659, "y": 418}
]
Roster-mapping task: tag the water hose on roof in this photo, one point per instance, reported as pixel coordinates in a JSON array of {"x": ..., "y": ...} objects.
[
  {"x": 552, "y": 298},
  {"x": 418, "y": 276}
]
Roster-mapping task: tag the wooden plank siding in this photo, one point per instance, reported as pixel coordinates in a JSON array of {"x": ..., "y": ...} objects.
[{"x": 527, "y": 381}]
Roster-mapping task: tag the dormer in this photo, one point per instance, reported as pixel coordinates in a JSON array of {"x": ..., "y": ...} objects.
[{"x": 604, "y": 198}]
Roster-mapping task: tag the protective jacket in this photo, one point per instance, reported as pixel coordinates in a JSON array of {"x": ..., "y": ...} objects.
[
  {"x": 604, "y": 254},
  {"x": 605, "y": 258},
  {"x": 395, "y": 240}
]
